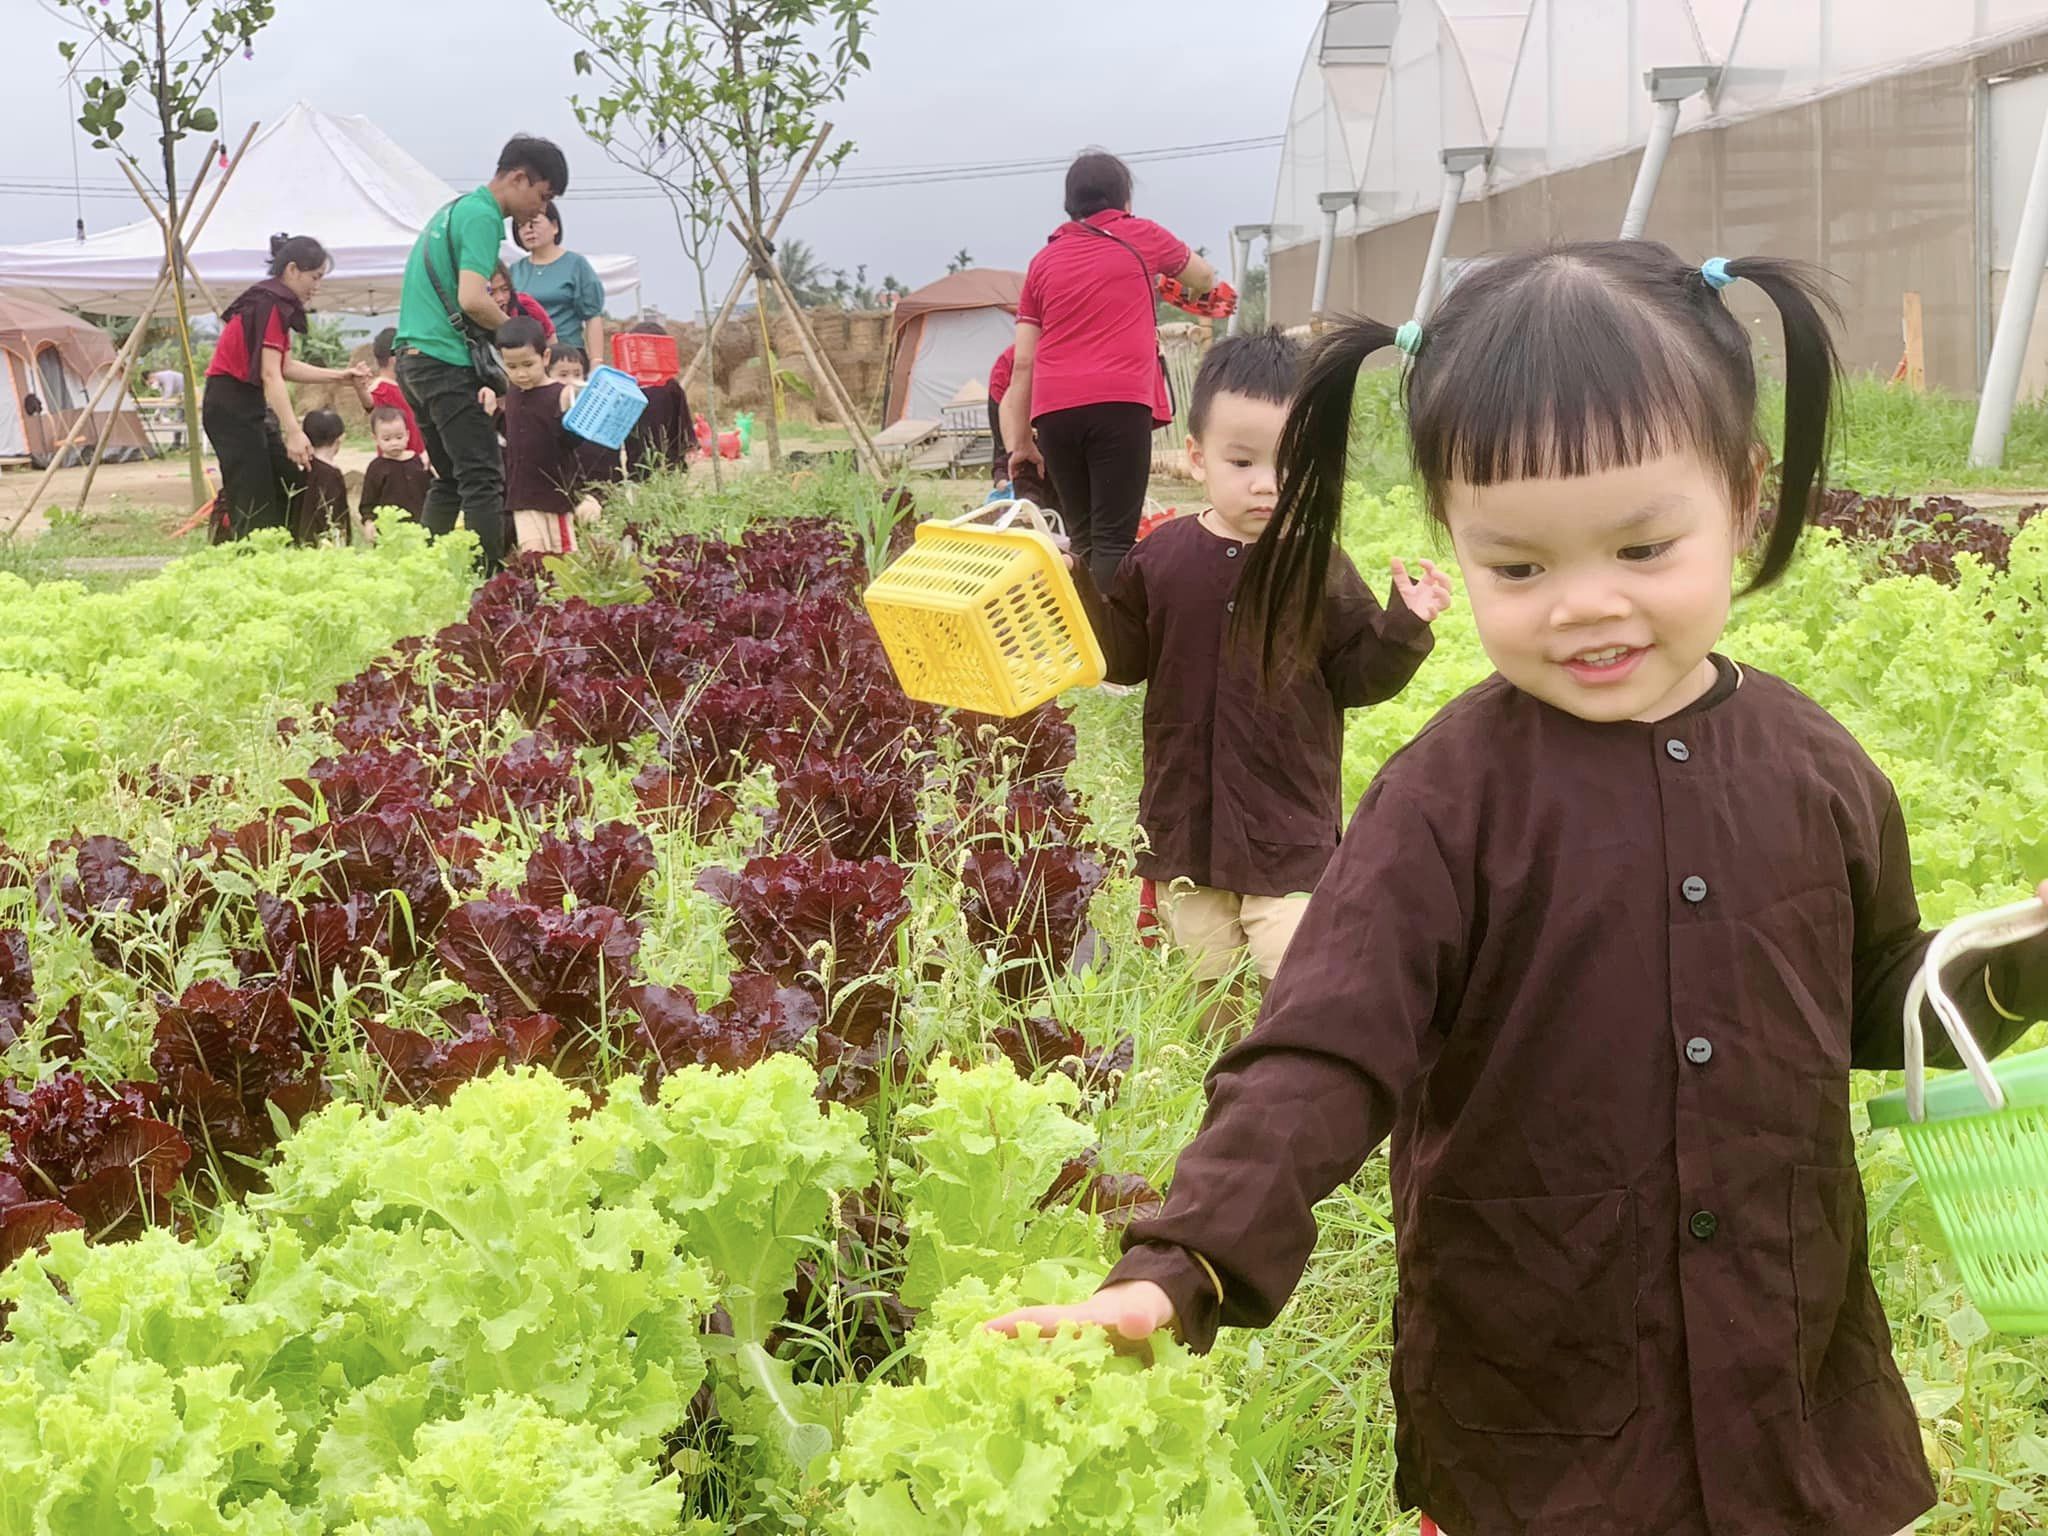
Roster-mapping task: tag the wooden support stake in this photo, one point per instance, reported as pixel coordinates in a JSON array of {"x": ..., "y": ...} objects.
[
  {"x": 124, "y": 360},
  {"x": 164, "y": 228},
  {"x": 739, "y": 283},
  {"x": 822, "y": 369},
  {"x": 1916, "y": 347}
]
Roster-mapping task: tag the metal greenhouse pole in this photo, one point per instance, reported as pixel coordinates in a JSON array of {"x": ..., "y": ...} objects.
[
  {"x": 1241, "y": 238},
  {"x": 2015, "y": 320},
  {"x": 1332, "y": 204},
  {"x": 1667, "y": 87},
  {"x": 1458, "y": 163}
]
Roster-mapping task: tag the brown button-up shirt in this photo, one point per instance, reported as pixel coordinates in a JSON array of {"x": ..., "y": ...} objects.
[
  {"x": 1603, "y": 985},
  {"x": 1242, "y": 781}
]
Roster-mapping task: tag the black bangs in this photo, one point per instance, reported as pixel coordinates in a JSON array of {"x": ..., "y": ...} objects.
[
  {"x": 1577, "y": 360},
  {"x": 1545, "y": 364}
]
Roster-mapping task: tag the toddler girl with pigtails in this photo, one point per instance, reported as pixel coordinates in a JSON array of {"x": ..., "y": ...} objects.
[{"x": 1597, "y": 954}]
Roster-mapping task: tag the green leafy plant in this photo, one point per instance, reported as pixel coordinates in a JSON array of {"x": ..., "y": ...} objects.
[
  {"x": 1048, "y": 1434},
  {"x": 984, "y": 1149}
]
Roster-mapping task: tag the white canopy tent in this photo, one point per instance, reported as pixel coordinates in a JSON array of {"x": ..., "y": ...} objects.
[{"x": 339, "y": 179}]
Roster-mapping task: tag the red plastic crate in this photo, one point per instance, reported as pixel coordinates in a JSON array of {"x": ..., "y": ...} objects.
[{"x": 650, "y": 359}]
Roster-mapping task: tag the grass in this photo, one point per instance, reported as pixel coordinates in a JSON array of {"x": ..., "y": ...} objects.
[{"x": 1313, "y": 1430}]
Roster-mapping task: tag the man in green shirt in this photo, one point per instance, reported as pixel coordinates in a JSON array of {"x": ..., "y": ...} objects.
[{"x": 446, "y": 292}]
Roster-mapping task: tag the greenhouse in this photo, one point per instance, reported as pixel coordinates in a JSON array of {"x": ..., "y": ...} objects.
[{"x": 1891, "y": 141}]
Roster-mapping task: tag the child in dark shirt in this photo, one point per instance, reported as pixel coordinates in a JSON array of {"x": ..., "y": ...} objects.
[
  {"x": 596, "y": 465},
  {"x": 1240, "y": 804},
  {"x": 398, "y": 477},
  {"x": 544, "y": 479},
  {"x": 320, "y": 510},
  {"x": 666, "y": 431},
  {"x": 1599, "y": 952}
]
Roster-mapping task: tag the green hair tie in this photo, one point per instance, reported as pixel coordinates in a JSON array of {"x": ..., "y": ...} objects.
[{"x": 1409, "y": 338}]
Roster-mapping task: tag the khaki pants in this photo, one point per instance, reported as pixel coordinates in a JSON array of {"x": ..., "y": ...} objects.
[
  {"x": 543, "y": 533},
  {"x": 1218, "y": 927}
]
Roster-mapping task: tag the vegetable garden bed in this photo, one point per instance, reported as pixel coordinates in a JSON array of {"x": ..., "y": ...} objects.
[{"x": 809, "y": 1030}]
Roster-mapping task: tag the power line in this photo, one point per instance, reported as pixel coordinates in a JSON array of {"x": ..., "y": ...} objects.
[{"x": 880, "y": 176}]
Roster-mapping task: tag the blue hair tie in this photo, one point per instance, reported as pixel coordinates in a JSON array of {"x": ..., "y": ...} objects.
[
  {"x": 1715, "y": 270},
  {"x": 1409, "y": 337}
]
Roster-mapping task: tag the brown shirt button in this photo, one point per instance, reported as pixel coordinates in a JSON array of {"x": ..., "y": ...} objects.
[
  {"x": 1230, "y": 550},
  {"x": 1694, "y": 889},
  {"x": 1699, "y": 1050},
  {"x": 1677, "y": 750},
  {"x": 1704, "y": 1225}
]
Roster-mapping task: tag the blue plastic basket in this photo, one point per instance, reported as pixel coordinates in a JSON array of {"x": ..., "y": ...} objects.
[{"x": 607, "y": 409}]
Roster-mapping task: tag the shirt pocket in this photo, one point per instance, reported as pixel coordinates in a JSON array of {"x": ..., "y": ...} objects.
[
  {"x": 1844, "y": 1340},
  {"x": 1531, "y": 1306}
]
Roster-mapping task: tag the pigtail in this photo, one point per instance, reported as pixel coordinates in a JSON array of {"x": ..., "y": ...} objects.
[
  {"x": 1280, "y": 603},
  {"x": 1812, "y": 367}
]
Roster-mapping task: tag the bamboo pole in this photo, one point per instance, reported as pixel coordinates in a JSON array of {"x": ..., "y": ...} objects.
[
  {"x": 763, "y": 260},
  {"x": 828, "y": 379},
  {"x": 125, "y": 359},
  {"x": 164, "y": 228},
  {"x": 739, "y": 283},
  {"x": 821, "y": 367}
]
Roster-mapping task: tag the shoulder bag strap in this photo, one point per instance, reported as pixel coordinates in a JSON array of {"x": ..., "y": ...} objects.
[{"x": 456, "y": 317}]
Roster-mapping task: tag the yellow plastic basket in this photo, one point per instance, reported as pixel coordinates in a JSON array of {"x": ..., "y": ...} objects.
[{"x": 985, "y": 617}]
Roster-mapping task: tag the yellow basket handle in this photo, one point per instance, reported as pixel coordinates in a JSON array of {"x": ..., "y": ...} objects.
[
  {"x": 1042, "y": 519},
  {"x": 1969, "y": 935}
]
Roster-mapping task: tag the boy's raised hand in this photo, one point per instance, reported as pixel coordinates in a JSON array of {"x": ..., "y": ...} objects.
[
  {"x": 1427, "y": 595},
  {"x": 1130, "y": 1313}
]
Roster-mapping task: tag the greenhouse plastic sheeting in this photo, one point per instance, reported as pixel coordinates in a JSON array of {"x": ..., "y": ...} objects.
[{"x": 1549, "y": 85}]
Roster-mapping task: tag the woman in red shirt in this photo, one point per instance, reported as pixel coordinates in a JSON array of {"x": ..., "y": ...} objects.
[
  {"x": 247, "y": 410},
  {"x": 1087, "y": 378}
]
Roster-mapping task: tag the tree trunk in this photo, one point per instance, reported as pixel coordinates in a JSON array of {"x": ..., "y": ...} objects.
[
  {"x": 710, "y": 374},
  {"x": 174, "y": 254},
  {"x": 773, "y": 429},
  {"x": 753, "y": 166}
]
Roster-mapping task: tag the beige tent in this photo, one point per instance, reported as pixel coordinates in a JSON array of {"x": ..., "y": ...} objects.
[
  {"x": 947, "y": 334},
  {"x": 53, "y": 363}
]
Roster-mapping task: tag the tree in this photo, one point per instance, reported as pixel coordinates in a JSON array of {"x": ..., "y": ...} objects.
[
  {"x": 160, "y": 72},
  {"x": 960, "y": 262},
  {"x": 761, "y": 70},
  {"x": 644, "y": 120}
]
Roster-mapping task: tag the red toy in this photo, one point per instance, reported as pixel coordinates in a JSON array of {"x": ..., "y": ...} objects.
[
  {"x": 1153, "y": 517},
  {"x": 1219, "y": 303},
  {"x": 728, "y": 442}
]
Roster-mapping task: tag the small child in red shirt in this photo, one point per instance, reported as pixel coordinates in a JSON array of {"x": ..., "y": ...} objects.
[
  {"x": 382, "y": 393},
  {"x": 1243, "y": 774}
]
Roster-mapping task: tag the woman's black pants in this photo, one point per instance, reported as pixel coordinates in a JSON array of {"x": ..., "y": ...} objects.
[
  {"x": 257, "y": 479},
  {"x": 1100, "y": 460}
]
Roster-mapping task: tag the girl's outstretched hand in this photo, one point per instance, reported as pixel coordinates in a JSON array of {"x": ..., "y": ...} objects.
[
  {"x": 1131, "y": 1313},
  {"x": 1427, "y": 595}
]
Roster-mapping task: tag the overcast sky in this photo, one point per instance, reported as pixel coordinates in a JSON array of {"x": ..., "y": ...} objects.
[{"x": 953, "y": 82}]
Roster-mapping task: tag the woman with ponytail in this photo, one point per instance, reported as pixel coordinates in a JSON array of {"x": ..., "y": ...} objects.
[
  {"x": 1598, "y": 951},
  {"x": 261, "y": 448}
]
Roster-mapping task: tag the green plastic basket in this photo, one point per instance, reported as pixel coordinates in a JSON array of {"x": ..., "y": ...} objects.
[{"x": 1979, "y": 1139}]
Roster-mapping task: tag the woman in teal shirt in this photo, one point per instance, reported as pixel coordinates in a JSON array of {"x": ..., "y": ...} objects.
[{"x": 565, "y": 284}]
